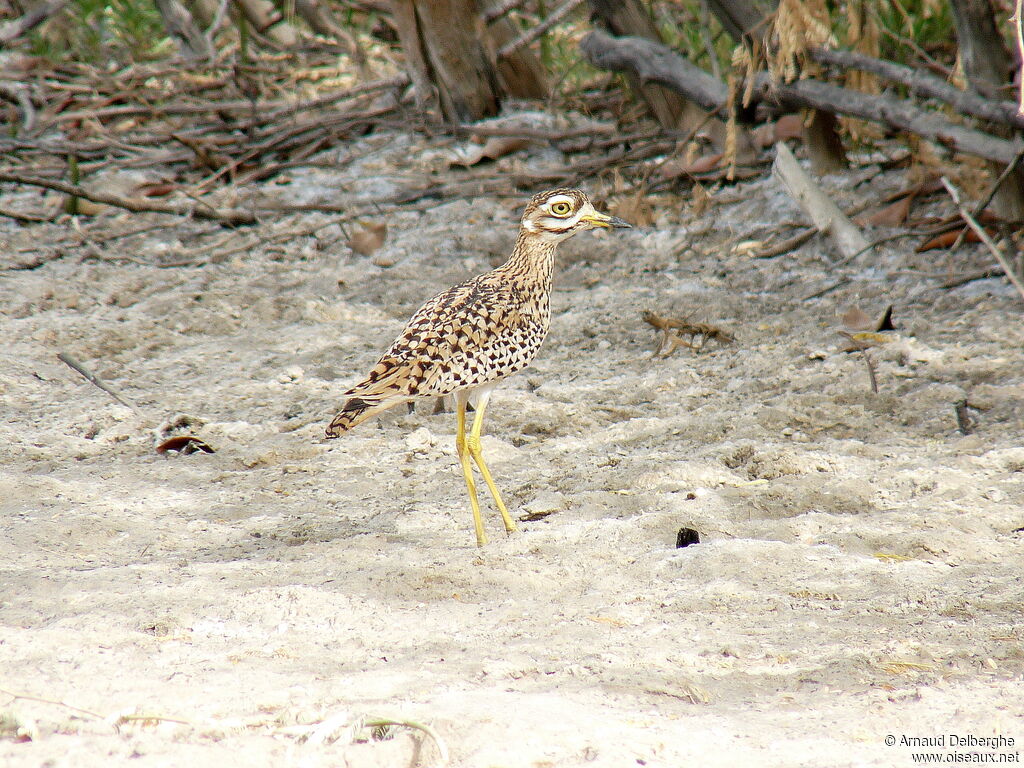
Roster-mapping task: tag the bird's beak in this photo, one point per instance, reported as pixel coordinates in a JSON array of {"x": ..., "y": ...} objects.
[{"x": 599, "y": 219}]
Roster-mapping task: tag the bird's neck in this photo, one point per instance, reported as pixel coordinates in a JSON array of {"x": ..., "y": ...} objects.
[{"x": 533, "y": 257}]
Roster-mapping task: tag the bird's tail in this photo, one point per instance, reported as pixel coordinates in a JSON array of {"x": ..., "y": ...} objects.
[{"x": 354, "y": 412}]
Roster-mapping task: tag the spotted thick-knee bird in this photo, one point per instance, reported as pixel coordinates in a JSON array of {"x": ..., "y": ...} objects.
[{"x": 471, "y": 336}]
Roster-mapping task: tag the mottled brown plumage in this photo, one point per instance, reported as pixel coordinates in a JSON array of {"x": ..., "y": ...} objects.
[{"x": 467, "y": 338}]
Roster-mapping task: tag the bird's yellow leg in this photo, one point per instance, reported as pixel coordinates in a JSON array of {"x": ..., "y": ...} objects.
[
  {"x": 477, "y": 454},
  {"x": 467, "y": 469}
]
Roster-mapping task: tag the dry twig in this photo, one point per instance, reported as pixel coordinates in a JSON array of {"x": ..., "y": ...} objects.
[
  {"x": 532, "y": 34},
  {"x": 135, "y": 204},
  {"x": 673, "y": 331},
  {"x": 863, "y": 349},
  {"x": 983, "y": 235},
  {"x": 95, "y": 380},
  {"x": 816, "y": 204}
]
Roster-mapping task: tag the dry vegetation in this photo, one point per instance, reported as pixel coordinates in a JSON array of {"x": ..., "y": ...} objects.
[{"x": 215, "y": 213}]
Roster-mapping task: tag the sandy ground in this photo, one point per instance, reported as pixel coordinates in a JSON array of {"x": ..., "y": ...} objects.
[{"x": 859, "y": 574}]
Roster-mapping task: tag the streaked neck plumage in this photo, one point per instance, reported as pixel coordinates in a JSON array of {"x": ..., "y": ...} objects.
[{"x": 533, "y": 257}]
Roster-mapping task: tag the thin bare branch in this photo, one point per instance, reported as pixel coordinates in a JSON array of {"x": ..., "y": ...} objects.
[
  {"x": 983, "y": 235},
  {"x": 532, "y": 34},
  {"x": 135, "y": 204},
  {"x": 95, "y": 380}
]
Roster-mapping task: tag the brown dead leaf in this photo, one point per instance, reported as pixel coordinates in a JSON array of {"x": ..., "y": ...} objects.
[
  {"x": 492, "y": 149},
  {"x": 156, "y": 188},
  {"x": 893, "y": 215},
  {"x": 704, "y": 164},
  {"x": 946, "y": 239},
  {"x": 764, "y": 135},
  {"x": 789, "y": 127},
  {"x": 184, "y": 445},
  {"x": 675, "y": 168},
  {"x": 368, "y": 238},
  {"x": 83, "y": 207},
  {"x": 856, "y": 319}
]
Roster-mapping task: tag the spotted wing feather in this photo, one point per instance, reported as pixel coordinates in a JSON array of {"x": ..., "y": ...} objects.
[{"x": 471, "y": 334}]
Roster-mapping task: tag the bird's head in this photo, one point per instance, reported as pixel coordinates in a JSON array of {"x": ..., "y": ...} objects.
[{"x": 561, "y": 213}]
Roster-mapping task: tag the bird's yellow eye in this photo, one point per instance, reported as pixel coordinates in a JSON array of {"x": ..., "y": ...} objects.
[{"x": 560, "y": 208}]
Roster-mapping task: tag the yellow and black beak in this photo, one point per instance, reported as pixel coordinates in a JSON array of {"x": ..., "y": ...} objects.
[{"x": 599, "y": 219}]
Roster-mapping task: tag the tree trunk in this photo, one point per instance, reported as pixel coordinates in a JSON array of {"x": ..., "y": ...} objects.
[
  {"x": 444, "y": 50},
  {"x": 986, "y": 64},
  {"x": 628, "y": 18},
  {"x": 824, "y": 145},
  {"x": 740, "y": 18},
  {"x": 520, "y": 73}
]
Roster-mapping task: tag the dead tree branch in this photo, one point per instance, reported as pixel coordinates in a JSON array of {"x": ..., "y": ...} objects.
[
  {"x": 135, "y": 204},
  {"x": 923, "y": 83},
  {"x": 12, "y": 30},
  {"x": 532, "y": 34},
  {"x": 656, "y": 63},
  {"x": 817, "y": 205}
]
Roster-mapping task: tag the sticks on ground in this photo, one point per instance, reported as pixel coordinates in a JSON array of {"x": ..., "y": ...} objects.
[
  {"x": 983, "y": 235},
  {"x": 863, "y": 349},
  {"x": 95, "y": 380},
  {"x": 136, "y": 204},
  {"x": 816, "y": 204}
]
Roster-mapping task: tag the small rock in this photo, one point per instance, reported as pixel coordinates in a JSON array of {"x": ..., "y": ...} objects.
[
  {"x": 542, "y": 505},
  {"x": 420, "y": 440}
]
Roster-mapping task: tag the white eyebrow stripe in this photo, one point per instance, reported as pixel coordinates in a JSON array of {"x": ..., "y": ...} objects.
[{"x": 561, "y": 199}]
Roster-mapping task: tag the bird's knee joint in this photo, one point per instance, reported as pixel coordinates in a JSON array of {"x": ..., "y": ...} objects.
[{"x": 473, "y": 443}]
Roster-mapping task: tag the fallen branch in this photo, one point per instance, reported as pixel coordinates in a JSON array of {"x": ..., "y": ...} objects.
[
  {"x": 816, "y": 204},
  {"x": 136, "y": 204},
  {"x": 653, "y": 62},
  {"x": 25, "y": 218},
  {"x": 888, "y": 111},
  {"x": 656, "y": 63},
  {"x": 267, "y": 112},
  {"x": 785, "y": 246},
  {"x": 923, "y": 84},
  {"x": 980, "y": 231},
  {"x": 970, "y": 277},
  {"x": 495, "y": 12}
]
